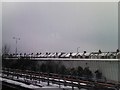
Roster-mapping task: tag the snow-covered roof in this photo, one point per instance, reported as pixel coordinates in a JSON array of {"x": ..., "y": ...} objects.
[
  {"x": 112, "y": 53},
  {"x": 50, "y": 55},
  {"x": 54, "y": 54},
  {"x": 63, "y": 55},
  {"x": 42, "y": 55},
  {"x": 59, "y": 54},
  {"x": 79, "y": 54},
  {"x": 67, "y": 55},
  {"x": 73, "y": 54},
  {"x": 103, "y": 54},
  {"x": 87, "y": 54}
]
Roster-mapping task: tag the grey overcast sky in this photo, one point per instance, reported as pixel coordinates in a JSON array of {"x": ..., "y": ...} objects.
[{"x": 57, "y": 26}]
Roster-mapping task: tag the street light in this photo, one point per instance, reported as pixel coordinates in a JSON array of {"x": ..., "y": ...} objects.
[
  {"x": 16, "y": 43},
  {"x": 77, "y": 49}
]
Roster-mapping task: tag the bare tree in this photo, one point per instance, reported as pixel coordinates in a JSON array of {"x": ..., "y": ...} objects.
[{"x": 5, "y": 49}]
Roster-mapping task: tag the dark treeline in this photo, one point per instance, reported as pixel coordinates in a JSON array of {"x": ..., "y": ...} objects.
[{"x": 49, "y": 67}]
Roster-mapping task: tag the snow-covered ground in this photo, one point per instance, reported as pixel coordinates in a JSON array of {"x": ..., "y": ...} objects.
[
  {"x": 36, "y": 84},
  {"x": 39, "y": 85},
  {"x": 18, "y": 83}
]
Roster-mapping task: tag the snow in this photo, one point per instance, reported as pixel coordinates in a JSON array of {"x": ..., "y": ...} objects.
[
  {"x": 79, "y": 54},
  {"x": 36, "y": 84},
  {"x": 73, "y": 54},
  {"x": 18, "y": 83},
  {"x": 63, "y": 55},
  {"x": 87, "y": 54},
  {"x": 83, "y": 84},
  {"x": 59, "y": 54},
  {"x": 62, "y": 80},
  {"x": 67, "y": 55},
  {"x": 42, "y": 84},
  {"x": 75, "y": 82}
]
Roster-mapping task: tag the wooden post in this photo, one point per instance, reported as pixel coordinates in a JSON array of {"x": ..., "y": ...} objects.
[
  {"x": 59, "y": 82},
  {"x": 72, "y": 85},
  {"x": 7, "y": 72},
  {"x": 17, "y": 74},
  {"x": 79, "y": 85},
  {"x": 13, "y": 75},
  {"x": 21, "y": 72},
  {"x": 48, "y": 80},
  {"x": 30, "y": 76},
  {"x": 64, "y": 82},
  {"x": 35, "y": 79},
  {"x": 39, "y": 77}
]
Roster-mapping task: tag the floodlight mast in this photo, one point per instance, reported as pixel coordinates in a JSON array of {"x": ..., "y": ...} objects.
[{"x": 16, "y": 39}]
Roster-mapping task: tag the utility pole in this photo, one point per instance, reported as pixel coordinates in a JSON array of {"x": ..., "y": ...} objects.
[{"x": 16, "y": 39}]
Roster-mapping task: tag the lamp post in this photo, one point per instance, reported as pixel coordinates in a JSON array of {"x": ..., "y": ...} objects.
[
  {"x": 78, "y": 49},
  {"x": 16, "y": 43}
]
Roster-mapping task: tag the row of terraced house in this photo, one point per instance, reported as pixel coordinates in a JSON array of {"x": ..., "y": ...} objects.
[{"x": 86, "y": 55}]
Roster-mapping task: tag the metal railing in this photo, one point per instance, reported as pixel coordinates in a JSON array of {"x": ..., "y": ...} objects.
[{"x": 31, "y": 77}]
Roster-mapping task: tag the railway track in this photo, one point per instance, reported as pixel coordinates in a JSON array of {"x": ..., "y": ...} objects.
[{"x": 66, "y": 80}]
